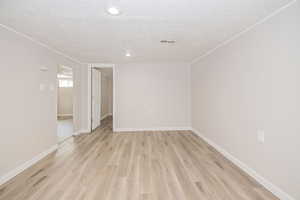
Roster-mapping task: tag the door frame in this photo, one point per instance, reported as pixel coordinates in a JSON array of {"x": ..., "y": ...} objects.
[{"x": 89, "y": 80}]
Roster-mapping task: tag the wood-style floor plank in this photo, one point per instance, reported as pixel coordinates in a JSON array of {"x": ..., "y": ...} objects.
[{"x": 160, "y": 165}]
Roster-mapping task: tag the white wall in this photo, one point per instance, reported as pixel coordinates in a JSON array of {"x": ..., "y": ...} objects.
[
  {"x": 152, "y": 96},
  {"x": 85, "y": 86},
  {"x": 28, "y": 115},
  {"x": 65, "y": 101},
  {"x": 253, "y": 84},
  {"x": 110, "y": 95}
]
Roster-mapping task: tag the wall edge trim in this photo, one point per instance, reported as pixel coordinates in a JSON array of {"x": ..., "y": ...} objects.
[
  {"x": 241, "y": 33},
  {"x": 244, "y": 167},
  {"x": 13, "y": 173}
]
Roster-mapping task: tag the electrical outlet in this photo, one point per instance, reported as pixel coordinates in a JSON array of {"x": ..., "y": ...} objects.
[{"x": 261, "y": 136}]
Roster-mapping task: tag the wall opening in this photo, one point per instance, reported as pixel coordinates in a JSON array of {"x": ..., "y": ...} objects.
[
  {"x": 65, "y": 96},
  {"x": 101, "y": 97}
]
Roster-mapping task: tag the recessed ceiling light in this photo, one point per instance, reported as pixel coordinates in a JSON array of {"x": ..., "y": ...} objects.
[
  {"x": 127, "y": 54},
  {"x": 113, "y": 11}
]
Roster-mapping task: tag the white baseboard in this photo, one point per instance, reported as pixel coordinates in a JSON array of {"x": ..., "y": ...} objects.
[
  {"x": 152, "y": 129},
  {"x": 81, "y": 131},
  {"x": 85, "y": 131},
  {"x": 76, "y": 133},
  {"x": 65, "y": 115},
  {"x": 26, "y": 165},
  {"x": 106, "y": 115},
  {"x": 267, "y": 184}
]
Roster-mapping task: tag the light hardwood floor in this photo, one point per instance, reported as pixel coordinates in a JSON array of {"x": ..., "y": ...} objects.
[{"x": 162, "y": 165}]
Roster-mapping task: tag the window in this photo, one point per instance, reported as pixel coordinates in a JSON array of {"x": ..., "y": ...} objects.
[{"x": 65, "y": 83}]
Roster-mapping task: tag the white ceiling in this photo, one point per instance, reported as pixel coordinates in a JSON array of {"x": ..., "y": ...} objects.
[{"x": 82, "y": 28}]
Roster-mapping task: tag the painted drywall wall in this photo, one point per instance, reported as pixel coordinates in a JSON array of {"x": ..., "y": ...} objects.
[
  {"x": 152, "y": 96},
  {"x": 65, "y": 101},
  {"x": 78, "y": 103},
  {"x": 253, "y": 84},
  {"x": 28, "y": 115},
  {"x": 110, "y": 95},
  {"x": 106, "y": 95},
  {"x": 85, "y": 86}
]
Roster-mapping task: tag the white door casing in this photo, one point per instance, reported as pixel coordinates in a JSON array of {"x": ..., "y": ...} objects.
[{"x": 89, "y": 93}]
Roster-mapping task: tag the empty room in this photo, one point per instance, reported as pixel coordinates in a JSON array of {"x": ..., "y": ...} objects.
[{"x": 150, "y": 100}]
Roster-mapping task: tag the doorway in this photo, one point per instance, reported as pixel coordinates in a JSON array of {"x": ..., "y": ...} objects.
[
  {"x": 101, "y": 97},
  {"x": 65, "y": 125}
]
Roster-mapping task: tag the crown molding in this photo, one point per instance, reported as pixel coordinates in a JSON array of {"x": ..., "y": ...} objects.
[
  {"x": 40, "y": 43},
  {"x": 249, "y": 28}
]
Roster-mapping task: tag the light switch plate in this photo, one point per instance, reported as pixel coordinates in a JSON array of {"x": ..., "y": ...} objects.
[
  {"x": 261, "y": 136},
  {"x": 42, "y": 87}
]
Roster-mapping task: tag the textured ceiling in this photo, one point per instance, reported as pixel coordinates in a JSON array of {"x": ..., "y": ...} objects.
[{"x": 83, "y": 29}]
